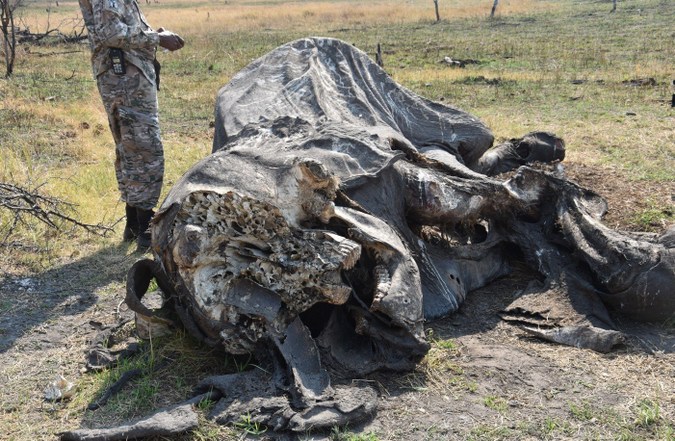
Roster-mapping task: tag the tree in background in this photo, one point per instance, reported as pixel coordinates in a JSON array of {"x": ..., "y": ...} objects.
[
  {"x": 494, "y": 8},
  {"x": 7, "y": 8}
]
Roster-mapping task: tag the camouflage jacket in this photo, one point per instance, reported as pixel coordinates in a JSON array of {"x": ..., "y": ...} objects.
[{"x": 119, "y": 24}]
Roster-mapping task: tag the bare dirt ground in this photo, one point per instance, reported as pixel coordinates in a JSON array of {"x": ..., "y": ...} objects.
[{"x": 483, "y": 378}]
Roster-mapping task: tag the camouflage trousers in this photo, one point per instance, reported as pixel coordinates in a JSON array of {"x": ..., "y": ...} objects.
[{"x": 130, "y": 101}]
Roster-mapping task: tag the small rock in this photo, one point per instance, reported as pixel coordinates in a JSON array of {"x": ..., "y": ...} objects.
[{"x": 59, "y": 389}]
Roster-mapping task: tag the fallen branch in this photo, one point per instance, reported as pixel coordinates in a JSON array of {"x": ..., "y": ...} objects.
[
  {"x": 22, "y": 203},
  {"x": 29, "y": 37},
  {"x": 40, "y": 55},
  {"x": 124, "y": 379},
  {"x": 76, "y": 34},
  {"x": 115, "y": 388}
]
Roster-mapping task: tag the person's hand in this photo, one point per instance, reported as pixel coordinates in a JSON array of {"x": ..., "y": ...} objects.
[{"x": 169, "y": 40}]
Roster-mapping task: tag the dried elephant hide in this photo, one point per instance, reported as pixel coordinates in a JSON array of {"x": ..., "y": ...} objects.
[{"x": 339, "y": 211}]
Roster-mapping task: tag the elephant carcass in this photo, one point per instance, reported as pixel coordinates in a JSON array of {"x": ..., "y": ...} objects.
[{"x": 339, "y": 210}]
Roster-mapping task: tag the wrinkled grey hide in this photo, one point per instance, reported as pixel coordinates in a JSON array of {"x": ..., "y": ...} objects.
[{"x": 339, "y": 211}]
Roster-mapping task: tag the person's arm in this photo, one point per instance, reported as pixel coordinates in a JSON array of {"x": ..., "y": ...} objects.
[{"x": 112, "y": 31}]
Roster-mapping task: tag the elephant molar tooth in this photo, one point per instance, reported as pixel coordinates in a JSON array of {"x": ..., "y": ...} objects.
[
  {"x": 382, "y": 280},
  {"x": 347, "y": 250}
]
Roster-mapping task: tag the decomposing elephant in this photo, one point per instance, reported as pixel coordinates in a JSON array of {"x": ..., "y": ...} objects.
[{"x": 339, "y": 211}]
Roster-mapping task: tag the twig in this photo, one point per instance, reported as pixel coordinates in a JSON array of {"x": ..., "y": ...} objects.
[
  {"x": 40, "y": 55},
  {"x": 124, "y": 379},
  {"x": 77, "y": 32},
  {"x": 19, "y": 246},
  {"x": 114, "y": 388},
  {"x": 51, "y": 211}
]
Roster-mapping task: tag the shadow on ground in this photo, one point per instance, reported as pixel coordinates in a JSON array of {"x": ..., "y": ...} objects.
[
  {"x": 480, "y": 313},
  {"x": 57, "y": 293}
]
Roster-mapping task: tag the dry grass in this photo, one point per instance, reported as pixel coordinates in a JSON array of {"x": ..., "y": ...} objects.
[
  {"x": 199, "y": 18},
  {"x": 327, "y": 14}
]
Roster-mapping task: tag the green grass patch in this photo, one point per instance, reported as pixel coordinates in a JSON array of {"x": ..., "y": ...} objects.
[
  {"x": 343, "y": 434},
  {"x": 654, "y": 217},
  {"x": 249, "y": 426},
  {"x": 647, "y": 413},
  {"x": 584, "y": 411},
  {"x": 496, "y": 403},
  {"x": 483, "y": 432}
]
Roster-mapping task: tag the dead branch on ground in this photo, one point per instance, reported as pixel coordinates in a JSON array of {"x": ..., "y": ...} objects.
[
  {"x": 24, "y": 203},
  {"x": 76, "y": 33}
]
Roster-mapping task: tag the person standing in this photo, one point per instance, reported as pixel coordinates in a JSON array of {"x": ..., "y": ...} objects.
[{"x": 123, "y": 49}]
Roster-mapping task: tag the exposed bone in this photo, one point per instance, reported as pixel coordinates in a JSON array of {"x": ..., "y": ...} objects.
[{"x": 602, "y": 340}]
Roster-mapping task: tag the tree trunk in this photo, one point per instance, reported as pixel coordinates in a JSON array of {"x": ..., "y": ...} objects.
[
  {"x": 378, "y": 56},
  {"x": 438, "y": 17},
  {"x": 613, "y": 6},
  {"x": 494, "y": 8},
  {"x": 8, "y": 34}
]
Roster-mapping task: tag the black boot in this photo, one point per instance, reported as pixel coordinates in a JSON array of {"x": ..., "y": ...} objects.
[
  {"x": 131, "y": 228},
  {"x": 144, "y": 238}
]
